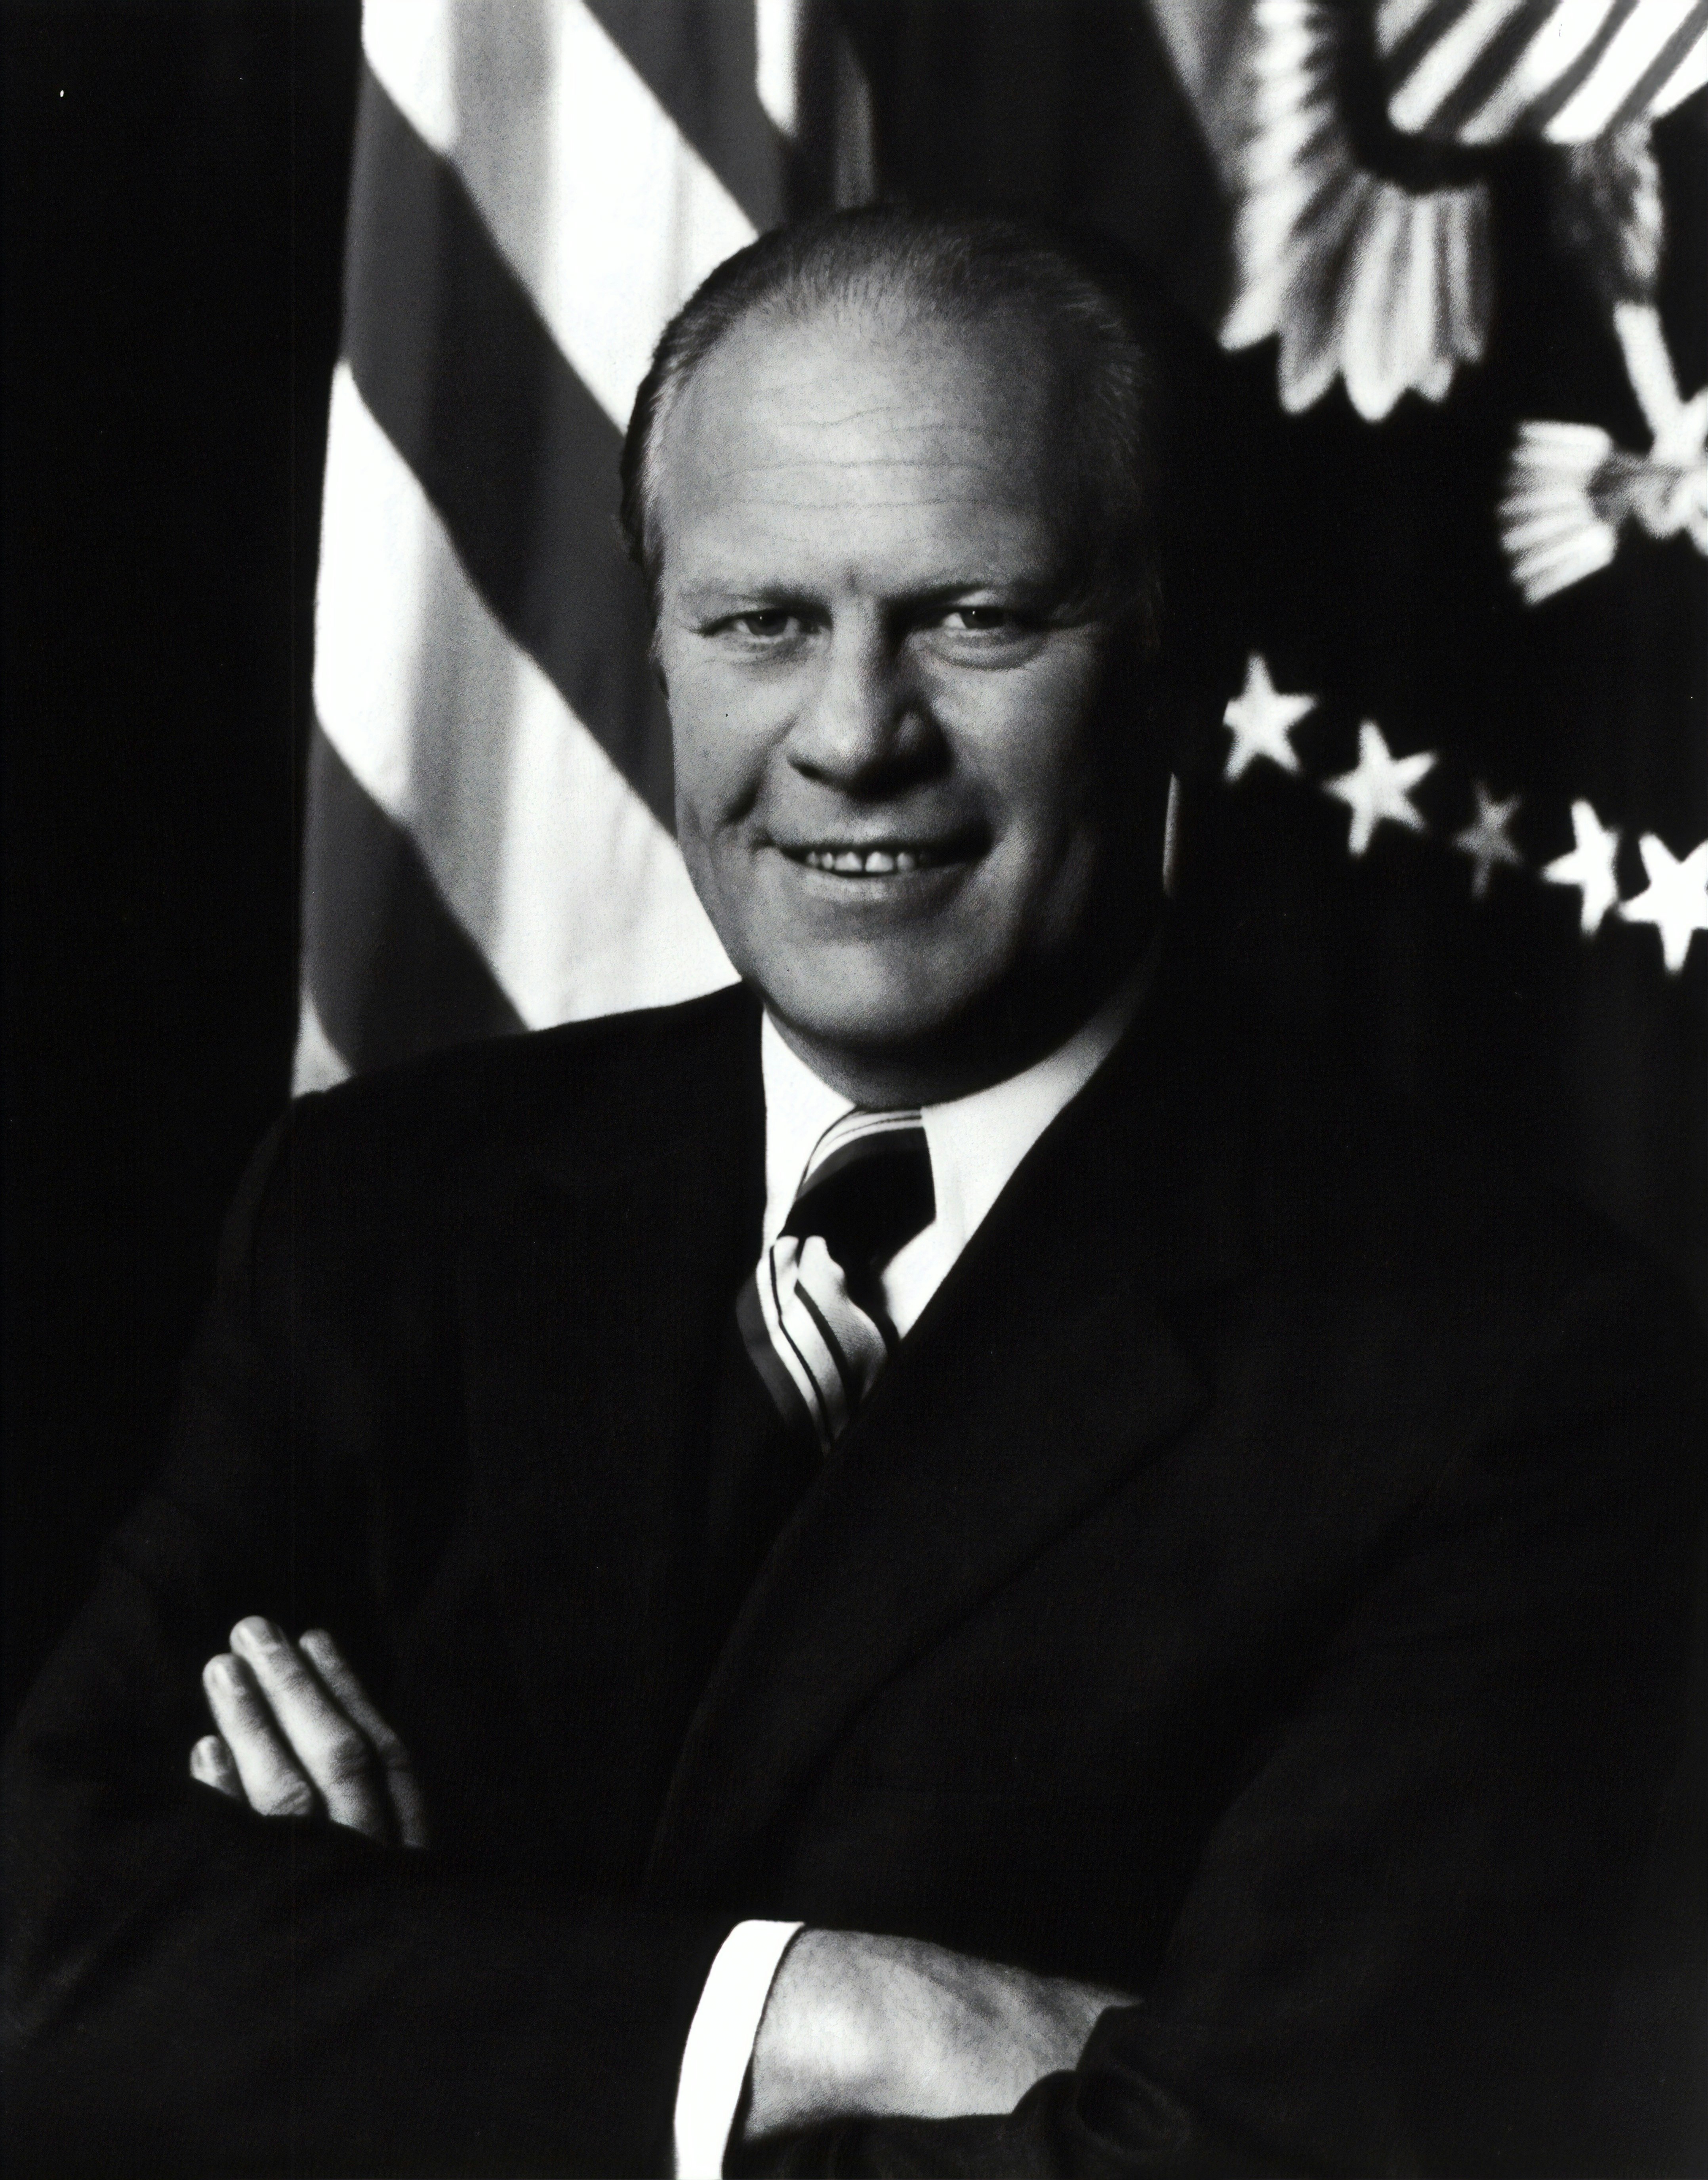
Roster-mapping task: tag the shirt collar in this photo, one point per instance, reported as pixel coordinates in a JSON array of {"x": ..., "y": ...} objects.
[{"x": 976, "y": 1142}]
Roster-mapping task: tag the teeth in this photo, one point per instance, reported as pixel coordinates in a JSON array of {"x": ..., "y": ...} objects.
[{"x": 869, "y": 862}]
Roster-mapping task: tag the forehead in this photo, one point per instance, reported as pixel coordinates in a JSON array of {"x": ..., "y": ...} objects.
[{"x": 860, "y": 431}]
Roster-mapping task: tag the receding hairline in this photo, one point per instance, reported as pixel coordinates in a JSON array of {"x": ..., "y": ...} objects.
[
  {"x": 967, "y": 279},
  {"x": 995, "y": 341}
]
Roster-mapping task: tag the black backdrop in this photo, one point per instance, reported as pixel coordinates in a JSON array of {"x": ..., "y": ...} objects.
[
  {"x": 173, "y": 193},
  {"x": 175, "y": 188}
]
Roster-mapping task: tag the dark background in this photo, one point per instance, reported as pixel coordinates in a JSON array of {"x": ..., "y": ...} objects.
[
  {"x": 174, "y": 180},
  {"x": 174, "y": 184}
]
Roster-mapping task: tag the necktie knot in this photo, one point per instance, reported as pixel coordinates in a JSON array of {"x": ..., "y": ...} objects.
[
  {"x": 867, "y": 1190},
  {"x": 812, "y": 1313}
]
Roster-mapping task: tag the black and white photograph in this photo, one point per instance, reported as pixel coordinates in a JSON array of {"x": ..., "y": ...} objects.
[{"x": 856, "y": 998}]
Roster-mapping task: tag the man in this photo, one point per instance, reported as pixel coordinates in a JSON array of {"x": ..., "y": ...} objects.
[{"x": 952, "y": 1570}]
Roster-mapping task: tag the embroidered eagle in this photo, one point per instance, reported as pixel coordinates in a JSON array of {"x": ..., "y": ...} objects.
[{"x": 1363, "y": 233}]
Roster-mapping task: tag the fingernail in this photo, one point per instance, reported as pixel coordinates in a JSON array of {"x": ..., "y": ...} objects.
[
  {"x": 258, "y": 1633},
  {"x": 223, "y": 1668}
]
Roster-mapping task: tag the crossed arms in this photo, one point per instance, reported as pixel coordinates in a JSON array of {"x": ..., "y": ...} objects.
[
  {"x": 857, "y": 2025},
  {"x": 234, "y": 1994},
  {"x": 1389, "y": 1944}
]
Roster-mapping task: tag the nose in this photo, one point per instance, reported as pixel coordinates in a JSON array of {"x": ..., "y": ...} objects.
[{"x": 864, "y": 724}]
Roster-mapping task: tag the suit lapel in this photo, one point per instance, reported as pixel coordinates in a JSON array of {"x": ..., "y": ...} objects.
[
  {"x": 1041, "y": 1373},
  {"x": 590, "y": 1282}
]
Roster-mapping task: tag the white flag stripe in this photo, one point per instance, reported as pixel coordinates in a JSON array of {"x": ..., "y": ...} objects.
[
  {"x": 1556, "y": 46},
  {"x": 1394, "y": 17},
  {"x": 1441, "y": 66},
  {"x": 575, "y": 894},
  {"x": 1558, "y": 37},
  {"x": 1686, "y": 78},
  {"x": 318, "y": 1064},
  {"x": 607, "y": 215},
  {"x": 1596, "y": 102},
  {"x": 778, "y": 25}
]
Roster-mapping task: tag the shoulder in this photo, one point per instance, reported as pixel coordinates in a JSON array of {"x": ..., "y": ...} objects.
[
  {"x": 387, "y": 1150},
  {"x": 1342, "y": 1183},
  {"x": 1387, "y": 1249},
  {"x": 1442, "y": 1273},
  {"x": 1359, "y": 1187},
  {"x": 1405, "y": 1322},
  {"x": 618, "y": 1072}
]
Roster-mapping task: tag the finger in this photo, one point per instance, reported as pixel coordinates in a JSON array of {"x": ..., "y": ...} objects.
[
  {"x": 409, "y": 1805},
  {"x": 271, "y": 1780},
  {"x": 210, "y": 1762},
  {"x": 328, "y": 1744}
]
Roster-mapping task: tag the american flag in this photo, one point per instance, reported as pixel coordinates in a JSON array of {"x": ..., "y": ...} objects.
[{"x": 538, "y": 185}]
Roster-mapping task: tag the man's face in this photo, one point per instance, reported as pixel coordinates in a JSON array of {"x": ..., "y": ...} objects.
[{"x": 904, "y": 792}]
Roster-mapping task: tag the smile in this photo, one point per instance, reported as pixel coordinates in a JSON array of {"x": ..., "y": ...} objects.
[{"x": 889, "y": 860}]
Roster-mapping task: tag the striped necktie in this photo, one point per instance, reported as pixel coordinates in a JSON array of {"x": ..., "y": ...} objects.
[{"x": 812, "y": 1312}]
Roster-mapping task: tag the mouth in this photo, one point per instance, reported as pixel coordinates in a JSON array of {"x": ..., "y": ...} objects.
[{"x": 877, "y": 859}]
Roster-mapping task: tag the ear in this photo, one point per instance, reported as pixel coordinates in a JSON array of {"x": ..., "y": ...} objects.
[{"x": 1180, "y": 711}]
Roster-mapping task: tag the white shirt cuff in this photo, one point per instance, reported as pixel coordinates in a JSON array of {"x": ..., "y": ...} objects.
[{"x": 720, "y": 2044}]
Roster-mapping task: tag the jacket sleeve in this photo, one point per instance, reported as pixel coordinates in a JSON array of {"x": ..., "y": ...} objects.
[
  {"x": 1402, "y": 1945},
  {"x": 191, "y": 1988}
]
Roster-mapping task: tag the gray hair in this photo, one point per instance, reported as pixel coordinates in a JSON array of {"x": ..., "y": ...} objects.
[{"x": 1114, "y": 341}]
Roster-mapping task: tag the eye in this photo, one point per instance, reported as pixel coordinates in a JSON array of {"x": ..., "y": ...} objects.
[
  {"x": 760, "y": 625},
  {"x": 980, "y": 620},
  {"x": 981, "y": 634}
]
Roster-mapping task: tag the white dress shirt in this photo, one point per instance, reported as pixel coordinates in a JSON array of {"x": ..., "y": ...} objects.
[{"x": 976, "y": 1143}]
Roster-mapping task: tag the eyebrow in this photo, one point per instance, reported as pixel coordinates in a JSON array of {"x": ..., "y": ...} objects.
[
  {"x": 715, "y": 595},
  {"x": 733, "y": 598}
]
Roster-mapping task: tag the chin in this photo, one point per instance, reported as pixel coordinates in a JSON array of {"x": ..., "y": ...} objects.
[
  {"x": 870, "y": 1008},
  {"x": 877, "y": 1031}
]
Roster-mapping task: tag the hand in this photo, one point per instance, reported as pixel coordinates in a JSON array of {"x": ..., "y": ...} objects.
[
  {"x": 858, "y": 2026},
  {"x": 298, "y": 1732}
]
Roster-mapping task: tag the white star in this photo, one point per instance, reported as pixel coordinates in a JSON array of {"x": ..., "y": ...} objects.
[
  {"x": 1262, "y": 722},
  {"x": 1485, "y": 840},
  {"x": 1589, "y": 866},
  {"x": 1675, "y": 899},
  {"x": 1375, "y": 788}
]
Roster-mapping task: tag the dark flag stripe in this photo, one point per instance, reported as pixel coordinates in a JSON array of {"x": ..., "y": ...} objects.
[
  {"x": 1424, "y": 35},
  {"x": 517, "y": 457},
  {"x": 389, "y": 970},
  {"x": 697, "y": 57},
  {"x": 1485, "y": 75}
]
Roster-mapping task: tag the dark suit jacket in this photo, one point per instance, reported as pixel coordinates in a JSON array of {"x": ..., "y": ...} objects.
[{"x": 1258, "y": 1581}]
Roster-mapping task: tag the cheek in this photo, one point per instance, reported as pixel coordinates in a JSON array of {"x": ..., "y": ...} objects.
[
  {"x": 1046, "y": 759},
  {"x": 717, "y": 755}
]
